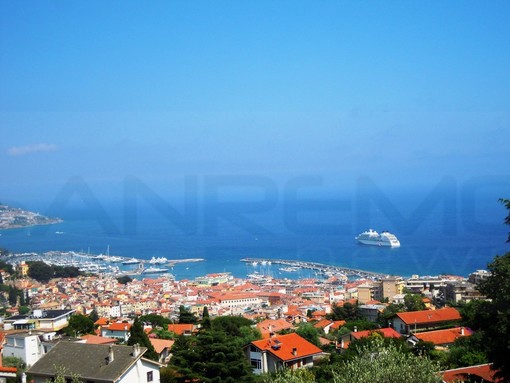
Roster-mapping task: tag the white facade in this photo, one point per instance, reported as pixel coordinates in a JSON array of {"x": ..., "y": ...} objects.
[{"x": 25, "y": 346}]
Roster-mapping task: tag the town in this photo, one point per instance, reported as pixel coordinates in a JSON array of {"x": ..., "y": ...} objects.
[{"x": 294, "y": 323}]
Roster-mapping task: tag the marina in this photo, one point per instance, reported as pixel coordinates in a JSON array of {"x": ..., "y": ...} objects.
[
  {"x": 327, "y": 270},
  {"x": 102, "y": 264}
]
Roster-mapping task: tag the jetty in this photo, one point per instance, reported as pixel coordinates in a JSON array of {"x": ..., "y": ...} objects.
[{"x": 319, "y": 267}]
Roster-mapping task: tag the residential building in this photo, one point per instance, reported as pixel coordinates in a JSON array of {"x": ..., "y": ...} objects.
[
  {"x": 346, "y": 339},
  {"x": 27, "y": 346},
  {"x": 479, "y": 373},
  {"x": 371, "y": 311},
  {"x": 163, "y": 347},
  {"x": 478, "y": 276},
  {"x": 291, "y": 351},
  {"x": 182, "y": 328},
  {"x": 369, "y": 292},
  {"x": 50, "y": 320},
  {"x": 440, "y": 338},
  {"x": 96, "y": 363},
  {"x": 423, "y": 320},
  {"x": 118, "y": 330},
  {"x": 460, "y": 291}
]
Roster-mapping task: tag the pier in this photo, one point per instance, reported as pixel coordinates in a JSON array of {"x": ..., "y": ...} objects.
[{"x": 319, "y": 267}]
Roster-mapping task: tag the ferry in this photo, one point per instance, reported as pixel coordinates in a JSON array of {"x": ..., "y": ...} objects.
[
  {"x": 132, "y": 261},
  {"x": 372, "y": 237}
]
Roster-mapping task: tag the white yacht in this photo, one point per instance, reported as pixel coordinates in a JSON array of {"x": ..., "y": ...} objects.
[{"x": 372, "y": 237}]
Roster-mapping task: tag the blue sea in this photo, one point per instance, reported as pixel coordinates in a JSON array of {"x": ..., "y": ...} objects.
[{"x": 437, "y": 235}]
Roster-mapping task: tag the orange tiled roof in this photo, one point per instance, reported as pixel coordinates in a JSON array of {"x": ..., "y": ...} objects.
[
  {"x": 460, "y": 374},
  {"x": 273, "y": 325},
  {"x": 445, "y": 336},
  {"x": 119, "y": 326},
  {"x": 160, "y": 344},
  {"x": 387, "y": 332},
  {"x": 323, "y": 323},
  {"x": 180, "y": 329},
  {"x": 283, "y": 347},
  {"x": 429, "y": 316},
  {"x": 102, "y": 321},
  {"x": 337, "y": 324},
  {"x": 94, "y": 339}
]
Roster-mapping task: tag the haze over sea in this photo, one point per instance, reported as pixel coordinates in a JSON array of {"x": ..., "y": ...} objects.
[{"x": 449, "y": 229}]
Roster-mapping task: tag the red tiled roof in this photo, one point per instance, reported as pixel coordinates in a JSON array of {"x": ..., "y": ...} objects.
[
  {"x": 102, "y": 321},
  {"x": 459, "y": 374},
  {"x": 160, "y": 344},
  {"x": 8, "y": 369},
  {"x": 429, "y": 316},
  {"x": 94, "y": 339},
  {"x": 337, "y": 324},
  {"x": 283, "y": 347},
  {"x": 323, "y": 323},
  {"x": 273, "y": 325},
  {"x": 387, "y": 332},
  {"x": 445, "y": 336},
  {"x": 119, "y": 326},
  {"x": 180, "y": 329}
]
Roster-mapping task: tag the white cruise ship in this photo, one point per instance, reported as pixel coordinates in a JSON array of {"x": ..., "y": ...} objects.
[{"x": 372, "y": 237}]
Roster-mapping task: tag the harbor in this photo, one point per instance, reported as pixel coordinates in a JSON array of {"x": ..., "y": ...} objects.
[
  {"x": 320, "y": 268},
  {"x": 103, "y": 264}
]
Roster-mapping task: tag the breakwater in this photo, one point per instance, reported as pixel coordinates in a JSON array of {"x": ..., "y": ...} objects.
[{"x": 319, "y": 267}]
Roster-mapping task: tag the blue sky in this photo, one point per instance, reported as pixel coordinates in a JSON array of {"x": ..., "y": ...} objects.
[{"x": 402, "y": 92}]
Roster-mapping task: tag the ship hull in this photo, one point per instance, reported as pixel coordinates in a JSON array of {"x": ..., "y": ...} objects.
[{"x": 377, "y": 243}]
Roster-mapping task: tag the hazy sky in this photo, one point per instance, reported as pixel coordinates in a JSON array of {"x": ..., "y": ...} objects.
[{"x": 403, "y": 92}]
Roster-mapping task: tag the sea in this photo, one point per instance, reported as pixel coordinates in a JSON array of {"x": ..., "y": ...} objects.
[{"x": 439, "y": 234}]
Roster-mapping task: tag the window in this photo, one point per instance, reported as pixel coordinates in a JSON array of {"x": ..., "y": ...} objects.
[
  {"x": 149, "y": 376},
  {"x": 256, "y": 364}
]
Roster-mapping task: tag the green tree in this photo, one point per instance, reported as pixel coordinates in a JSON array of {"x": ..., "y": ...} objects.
[
  {"x": 206, "y": 320},
  {"x": 287, "y": 375},
  {"x": 40, "y": 271},
  {"x": 308, "y": 332},
  {"x": 94, "y": 317},
  {"x": 380, "y": 363},
  {"x": 63, "y": 377},
  {"x": 186, "y": 316},
  {"x": 155, "y": 320},
  {"x": 467, "y": 351},
  {"x": 13, "y": 361},
  {"x": 413, "y": 302},
  {"x": 210, "y": 356},
  {"x": 497, "y": 329},
  {"x": 23, "y": 310},
  {"x": 124, "y": 280},
  {"x": 79, "y": 325},
  {"x": 13, "y": 296},
  {"x": 138, "y": 336}
]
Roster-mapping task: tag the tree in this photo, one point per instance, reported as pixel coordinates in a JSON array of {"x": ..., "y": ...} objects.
[
  {"x": 94, "y": 317},
  {"x": 287, "y": 375},
  {"x": 138, "y": 336},
  {"x": 79, "y": 325},
  {"x": 206, "y": 320},
  {"x": 210, "y": 356},
  {"x": 496, "y": 287},
  {"x": 186, "y": 316},
  {"x": 380, "y": 363},
  {"x": 40, "y": 271},
  {"x": 124, "y": 280},
  {"x": 413, "y": 302},
  {"x": 308, "y": 332},
  {"x": 497, "y": 329},
  {"x": 155, "y": 320}
]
